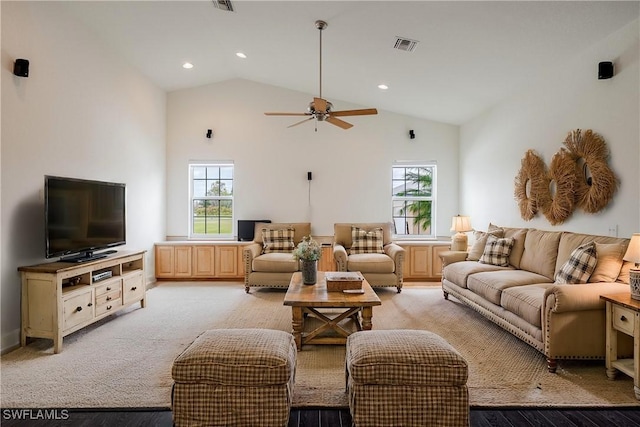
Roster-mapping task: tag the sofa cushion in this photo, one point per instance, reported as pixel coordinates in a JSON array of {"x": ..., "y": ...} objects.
[
  {"x": 609, "y": 262},
  {"x": 497, "y": 251},
  {"x": 569, "y": 241},
  {"x": 490, "y": 285},
  {"x": 459, "y": 272},
  {"x": 525, "y": 302},
  {"x": 366, "y": 242},
  {"x": 371, "y": 263},
  {"x": 480, "y": 242},
  {"x": 625, "y": 272},
  {"x": 518, "y": 235},
  {"x": 275, "y": 262},
  {"x": 540, "y": 252},
  {"x": 579, "y": 266},
  {"x": 278, "y": 240}
]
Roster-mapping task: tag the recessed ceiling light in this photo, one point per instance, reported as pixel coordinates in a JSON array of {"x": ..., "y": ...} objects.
[
  {"x": 187, "y": 65},
  {"x": 241, "y": 55},
  {"x": 383, "y": 87}
]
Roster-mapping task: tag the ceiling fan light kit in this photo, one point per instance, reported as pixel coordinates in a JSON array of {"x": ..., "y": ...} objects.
[{"x": 322, "y": 110}]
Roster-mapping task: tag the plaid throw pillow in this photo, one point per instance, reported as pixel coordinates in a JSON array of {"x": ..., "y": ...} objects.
[
  {"x": 579, "y": 266},
  {"x": 280, "y": 240},
  {"x": 366, "y": 242},
  {"x": 497, "y": 251}
]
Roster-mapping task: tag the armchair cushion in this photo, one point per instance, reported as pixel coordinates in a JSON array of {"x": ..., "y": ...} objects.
[
  {"x": 371, "y": 263},
  {"x": 278, "y": 240},
  {"x": 275, "y": 262},
  {"x": 366, "y": 242}
]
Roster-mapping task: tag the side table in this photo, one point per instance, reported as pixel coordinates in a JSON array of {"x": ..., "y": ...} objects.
[{"x": 623, "y": 315}]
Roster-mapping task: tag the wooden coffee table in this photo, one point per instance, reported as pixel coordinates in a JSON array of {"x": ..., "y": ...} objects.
[{"x": 307, "y": 299}]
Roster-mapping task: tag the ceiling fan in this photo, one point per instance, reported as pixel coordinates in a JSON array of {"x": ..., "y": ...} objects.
[{"x": 321, "y": 109}]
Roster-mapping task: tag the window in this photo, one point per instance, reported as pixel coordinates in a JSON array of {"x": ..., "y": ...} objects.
[
  {"x": 413, "y": 199},
  {"x": 211, "y": 200}
]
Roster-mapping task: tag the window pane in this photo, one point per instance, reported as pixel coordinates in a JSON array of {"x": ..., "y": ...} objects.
[
  {"x": 199, "y": 188},
  {"x": 226, "y": 172},
  {"x": 199, "y": 172},
  {"x": 226, "y": 187},
  {"x": 213, "y": 187},
  {"x": 412, "y": 206}
]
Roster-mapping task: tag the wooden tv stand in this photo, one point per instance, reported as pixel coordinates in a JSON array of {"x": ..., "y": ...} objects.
[{"x": 59, "y": 298}]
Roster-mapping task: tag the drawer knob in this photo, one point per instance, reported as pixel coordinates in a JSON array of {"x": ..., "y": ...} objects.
[
  {"x": 108, "y": 298},
  {"x": 134, "y": 288},
  {"x": 109, "y": 307},
  {"x": 79, "y": 308},
  {"x": 90, "y": 304},
  {"x": 108, "y": 288},
  {"x": 624, "y": 319}
]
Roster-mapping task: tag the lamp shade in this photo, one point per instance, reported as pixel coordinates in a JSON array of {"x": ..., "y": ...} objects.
[
  {"x": 633, "y": 250},
  {"x": 461, "y": 224}
]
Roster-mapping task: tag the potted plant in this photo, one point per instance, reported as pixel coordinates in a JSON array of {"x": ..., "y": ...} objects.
[{"x": 309, "y": 252}]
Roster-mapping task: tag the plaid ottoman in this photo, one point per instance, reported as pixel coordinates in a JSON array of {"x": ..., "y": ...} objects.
[
  {"x": 405, "y": 378},
  {"x": 235, "y": 377}
]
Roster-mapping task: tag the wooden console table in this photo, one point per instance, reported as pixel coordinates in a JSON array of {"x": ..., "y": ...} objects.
[
  {"x": 59, "y": 298},
  {"x": 623, "y": 315}
]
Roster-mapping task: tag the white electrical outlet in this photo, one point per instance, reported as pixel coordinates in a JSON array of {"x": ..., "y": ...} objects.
[{"x": 613, "y": 230}]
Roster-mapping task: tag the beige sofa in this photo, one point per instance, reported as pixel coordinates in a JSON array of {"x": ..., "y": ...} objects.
[
  {"x": 563, "y": 321},
  {"x": 271, "y": 269},
  {"x": 379, "y": 269}
]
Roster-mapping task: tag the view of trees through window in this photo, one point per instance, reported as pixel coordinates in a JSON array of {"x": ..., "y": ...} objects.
[
  {"x": 212, "y": 200},
  {"x": 413, "y": 199}
]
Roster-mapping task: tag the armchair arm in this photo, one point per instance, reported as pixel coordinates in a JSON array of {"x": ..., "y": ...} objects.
[
  {"x": 397, "y": 253},
  {"x": 567, "y": 298},
  {"x": 340, "y": 255},
  {"x": 449, "y": 257},
  {"x": 249, "y": 252}
]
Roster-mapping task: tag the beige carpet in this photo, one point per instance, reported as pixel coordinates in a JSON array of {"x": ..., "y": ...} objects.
[{"x": 125, "y": 361}]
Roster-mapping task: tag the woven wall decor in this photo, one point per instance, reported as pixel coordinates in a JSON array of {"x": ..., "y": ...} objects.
[
  {"x": 563, "y": 173},
  {"x": 532, "y": 172},
  {"x": 595, "y": 192}
]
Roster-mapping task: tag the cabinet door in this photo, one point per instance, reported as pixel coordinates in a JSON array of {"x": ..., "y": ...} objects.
[
  {"x": 436, "y": 261},
  {"x": 227, "y": 261},
  {"x": 182, "y": 261},
  {"x": 77, "y": 309},
  {"x": 420, "y": 261},
  {"x": 165, "y": 261},
  {"x": 204, "y": 261},
  {"x": 327, "y": 263}
]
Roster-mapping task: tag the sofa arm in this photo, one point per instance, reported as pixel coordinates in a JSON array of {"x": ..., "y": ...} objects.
[
  {"x": 340, "y": 256},
  {"x": 397, "y": 253},
  {"x": 449, "y": 257},
  {"x": 567, "y": 298}
]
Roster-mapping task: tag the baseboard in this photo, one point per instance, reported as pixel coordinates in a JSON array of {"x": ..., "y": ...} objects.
[{"x": 10, "y": 341}]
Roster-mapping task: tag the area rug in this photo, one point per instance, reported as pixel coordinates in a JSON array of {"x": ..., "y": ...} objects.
[{"x": 125, "y": 360}]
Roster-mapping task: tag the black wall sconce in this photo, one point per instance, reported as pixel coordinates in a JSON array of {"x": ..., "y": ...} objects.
[
  {"x": 412, "y": 134},
  {"x": 209, "y": 133},
  {"x": 605, "y": 70},
  {"x": 21, "y": 68}
]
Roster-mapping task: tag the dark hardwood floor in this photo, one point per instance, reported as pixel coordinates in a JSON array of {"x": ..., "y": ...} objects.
[{"x": 511, "y": 417}]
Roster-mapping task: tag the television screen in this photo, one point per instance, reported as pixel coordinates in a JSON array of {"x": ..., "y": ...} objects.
[{"x": 83, "y": 216}]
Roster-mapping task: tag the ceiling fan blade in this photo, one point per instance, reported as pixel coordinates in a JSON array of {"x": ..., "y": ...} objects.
[
  {"x": 362, "y": 112},
  {"x": 320, "y": 105},
  {"x": 286, "y": 114},
  {"x": 301, "y": 122},
  {"x": 338, "y": 122}
]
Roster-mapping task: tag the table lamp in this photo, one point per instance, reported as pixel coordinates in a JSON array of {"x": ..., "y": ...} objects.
[
  {"x": 633, "y": 255},
  {"x": 460, "y": 224}
]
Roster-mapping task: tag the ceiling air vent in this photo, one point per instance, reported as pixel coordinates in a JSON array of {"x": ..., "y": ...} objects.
[
  {"x": 223, "y": 4},
  {"x": 403, "y": 43}
]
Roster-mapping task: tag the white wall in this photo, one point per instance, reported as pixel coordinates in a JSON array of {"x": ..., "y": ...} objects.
[
  {"x": 569, "y": 97},
  {"x": 82, "y": 112},
  {"x": 351, "y": 168}
]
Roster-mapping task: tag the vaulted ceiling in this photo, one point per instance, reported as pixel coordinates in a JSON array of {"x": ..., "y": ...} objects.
[{"x": 469, "y": 55}]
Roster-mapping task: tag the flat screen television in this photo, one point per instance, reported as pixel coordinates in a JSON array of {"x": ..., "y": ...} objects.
[{"x": 83, "y": 216}]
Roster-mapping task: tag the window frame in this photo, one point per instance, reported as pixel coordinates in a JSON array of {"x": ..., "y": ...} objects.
[
  {"x": 432, "y": 198},
  {"x": 193, "y": 198}
]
